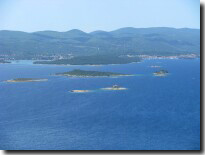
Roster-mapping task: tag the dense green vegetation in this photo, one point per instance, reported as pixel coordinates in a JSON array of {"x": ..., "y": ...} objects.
[
  {"x": 83, "y": 73},
  {"x": 92, "y": 60},
  {"x": 151, "y": 41}
]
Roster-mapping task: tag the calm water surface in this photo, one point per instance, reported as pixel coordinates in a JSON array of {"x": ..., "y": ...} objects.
[{"x": 153, "y": 114}]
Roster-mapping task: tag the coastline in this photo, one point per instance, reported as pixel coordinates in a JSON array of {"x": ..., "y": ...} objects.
[
  {"x": 76, "y": 76},
  {"x": 143, "y": 58}
]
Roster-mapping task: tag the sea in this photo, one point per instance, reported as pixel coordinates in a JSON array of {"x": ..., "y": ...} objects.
[{"x": 154, "y": 113}]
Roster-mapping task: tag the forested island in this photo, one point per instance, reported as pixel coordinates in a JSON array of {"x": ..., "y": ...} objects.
[
  {"x": 27, "y": 80},
  {"x": 84, "y": 73}
]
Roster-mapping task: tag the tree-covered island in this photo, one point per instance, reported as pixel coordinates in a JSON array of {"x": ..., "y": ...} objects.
[{"x": 84, "y": 73}]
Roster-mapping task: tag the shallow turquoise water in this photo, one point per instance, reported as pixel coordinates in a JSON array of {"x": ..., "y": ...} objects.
[{"x": 153, "y": 114}]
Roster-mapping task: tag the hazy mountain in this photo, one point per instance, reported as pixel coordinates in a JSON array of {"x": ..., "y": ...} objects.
[{"x": 161, "y": 41}]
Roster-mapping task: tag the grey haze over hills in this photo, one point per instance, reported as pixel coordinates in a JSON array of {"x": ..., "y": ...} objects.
[{"x": 150, "y": 41}]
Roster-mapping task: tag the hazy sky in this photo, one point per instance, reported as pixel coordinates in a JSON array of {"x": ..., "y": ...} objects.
[{"x": 91, "y": 15}]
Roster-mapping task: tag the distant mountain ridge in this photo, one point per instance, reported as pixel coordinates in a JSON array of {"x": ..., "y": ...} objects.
[{"x": 129, "y": 40}]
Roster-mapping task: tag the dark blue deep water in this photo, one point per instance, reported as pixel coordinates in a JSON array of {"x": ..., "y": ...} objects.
[{"x": 153, "y": 114}]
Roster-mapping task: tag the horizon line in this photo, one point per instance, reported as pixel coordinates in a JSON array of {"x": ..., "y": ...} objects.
[{"x": 98, "y": 29}]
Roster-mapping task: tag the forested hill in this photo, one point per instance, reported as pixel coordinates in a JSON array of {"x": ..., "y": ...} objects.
[{"x": 160, "y": 41}]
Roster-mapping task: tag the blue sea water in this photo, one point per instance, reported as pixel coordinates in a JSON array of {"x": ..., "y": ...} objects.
[{"x": 155, "y": 113}]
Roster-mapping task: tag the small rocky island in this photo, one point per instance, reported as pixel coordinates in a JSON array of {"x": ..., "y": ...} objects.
[
  {"x": 161, "y": 73},
  {"x": 114, "y": 87},
  {"x": 155, "y": 66},
  {"x": 83, "y": 73},
  {"x": 80, "y": 91},
  {"x": 27, "y": 80}
]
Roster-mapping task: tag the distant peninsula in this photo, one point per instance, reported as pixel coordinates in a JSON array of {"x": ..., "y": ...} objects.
[
  {"x": 27, "y": 80},
  {"x": 84, "y": 73},
  {"x": 92, "y": 60}
]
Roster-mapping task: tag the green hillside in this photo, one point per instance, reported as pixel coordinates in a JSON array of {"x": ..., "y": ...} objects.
[{"x": 152, "y": 41}]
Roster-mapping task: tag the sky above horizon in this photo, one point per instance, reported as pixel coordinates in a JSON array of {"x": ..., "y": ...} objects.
[{"x": 91, "y": 15}]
